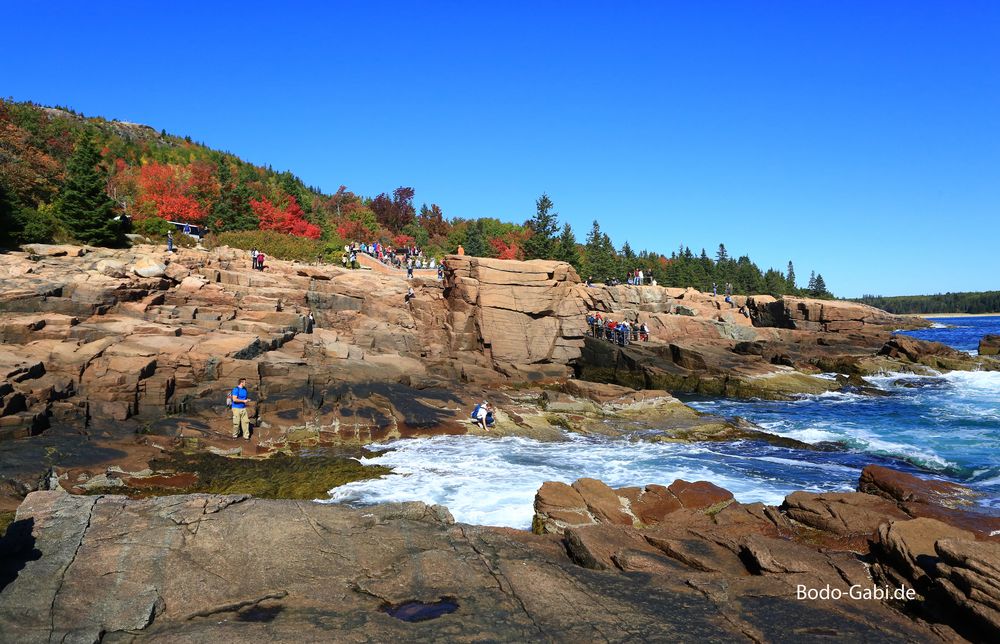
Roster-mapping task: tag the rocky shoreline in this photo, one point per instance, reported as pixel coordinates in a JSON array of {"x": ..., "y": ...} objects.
[
  {"x": 110, "y": 359},
  {"x": 113, "y": 373},
  {"x": 660, "y": 563}
]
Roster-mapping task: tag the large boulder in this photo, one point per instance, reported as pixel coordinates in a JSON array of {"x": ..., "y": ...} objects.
[
  {"x": 906, "y": 488},
  {"x": 112, "y": 268},
  {"x": 149, "y": 267},
  {"x": 989, "y": 345}
]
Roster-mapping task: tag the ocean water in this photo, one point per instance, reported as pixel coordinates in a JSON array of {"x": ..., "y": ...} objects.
[
  {"x": 961, "y": 333},
  {"x": 945, "y": 426}
]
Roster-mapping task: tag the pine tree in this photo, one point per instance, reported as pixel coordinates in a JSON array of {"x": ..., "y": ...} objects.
[
  {"x": 790, "y": 277},
  {"x": 819, "y": 287},
  {"x": 542, "y": 243},
  {"x": 566, "y": 250},
  {"x": 721, "y": 255},
  {"x": 475, "y": 239},
  {"x": 83, "y": 206},
  {"x": 811, "y": 287},
  {"x": 601, "y": 257},
  {"x": 8, "y": 220},
  {"x": 627, "y": 252}
]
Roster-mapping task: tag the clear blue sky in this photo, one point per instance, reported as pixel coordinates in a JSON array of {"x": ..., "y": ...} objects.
[{"x": 860, "y": 139}]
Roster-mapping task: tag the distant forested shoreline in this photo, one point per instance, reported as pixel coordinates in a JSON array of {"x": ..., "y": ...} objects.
[{"x": 976, "y": 302}]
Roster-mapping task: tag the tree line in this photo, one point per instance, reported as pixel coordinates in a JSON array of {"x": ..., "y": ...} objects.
[
  {"x": 65, "y": 176},
  {"x": 970, "y": 302}
]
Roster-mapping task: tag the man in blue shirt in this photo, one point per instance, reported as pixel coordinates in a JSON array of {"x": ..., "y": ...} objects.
[{"x": 241, "y": 421}]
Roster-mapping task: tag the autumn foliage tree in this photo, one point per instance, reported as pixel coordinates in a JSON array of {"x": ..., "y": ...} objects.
[
  {"x": 288, "y": 220},
  {"x": 168, "y": 191},
  {"x": 396, "y": 211}
]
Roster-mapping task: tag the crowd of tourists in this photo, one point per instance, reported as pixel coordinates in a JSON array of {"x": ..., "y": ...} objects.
[
  {"x": 407, "y": 257},
  {"x": 633, "y": 278},
  {"x": 619, "y": 332}
]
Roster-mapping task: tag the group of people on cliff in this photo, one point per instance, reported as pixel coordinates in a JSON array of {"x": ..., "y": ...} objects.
[
  {"x": 634, "y": 278},
  {"x": 619, "y": 332}
]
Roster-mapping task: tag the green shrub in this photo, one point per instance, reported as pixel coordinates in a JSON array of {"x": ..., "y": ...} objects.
[
  {"x": 276, "y": 245},
  {"x": 184, "y": 241},
  {"x": 36, "y": 226},
  {"x": 152, "y": 227}
]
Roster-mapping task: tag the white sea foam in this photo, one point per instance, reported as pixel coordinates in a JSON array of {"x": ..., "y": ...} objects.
[{"x": 493, "y": 481}]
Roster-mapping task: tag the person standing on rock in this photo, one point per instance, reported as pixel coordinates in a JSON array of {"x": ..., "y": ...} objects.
[
  {"x": 253, "y": 257},
  {"x": 241, "y": 421},
  {"x": 170, "y": 241}
]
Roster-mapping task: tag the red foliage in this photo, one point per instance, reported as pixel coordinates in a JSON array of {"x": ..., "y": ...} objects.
[
  {"x": 166, "y": 188},
  {"x": 354, "y": 230},
  {"x": 287, "y": 220},
  {"x": 400, "y": 241},
  {"x": 504, "y": 250}
]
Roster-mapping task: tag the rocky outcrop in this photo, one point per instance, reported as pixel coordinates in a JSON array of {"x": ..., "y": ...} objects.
[
  {"x": 527, "y": 318},
  {"x": 989, "y": 345},
  {"x": 227, "y": 568},
  {"x": 966, "y": 585},
  {"x": 842, "y": 540},
  {"x": 832, "y": 316}
]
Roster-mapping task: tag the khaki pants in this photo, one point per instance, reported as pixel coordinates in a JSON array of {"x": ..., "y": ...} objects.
[{"x": 241, "y": 423}]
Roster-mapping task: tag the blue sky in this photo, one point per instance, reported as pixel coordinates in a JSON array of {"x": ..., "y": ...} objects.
[{"x": 859, "y": 139}]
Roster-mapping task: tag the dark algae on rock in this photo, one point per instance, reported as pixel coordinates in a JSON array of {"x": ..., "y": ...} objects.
[{"x": 306, "y": 474}]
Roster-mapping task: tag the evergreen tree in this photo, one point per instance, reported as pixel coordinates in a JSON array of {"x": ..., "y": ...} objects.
[
  {"x": 601, "y": 257},
  {"x": 721, "y": 255},
  {"x": 542, "y": 243},
  {"x": 775, "y": 283},
  {"x": 811, "y": 287},
  {"x": 475, "y": 239},
  {"x": 232, "y": 211},
  {"x": 790, "y": 277},
  {"x": 566, "y": 250},
  {"x": 627, "y": 252},
  {"x": 8, "y": 220},
  {"x": 819, "y": 287},
  {"x": 83, "y": 206}
]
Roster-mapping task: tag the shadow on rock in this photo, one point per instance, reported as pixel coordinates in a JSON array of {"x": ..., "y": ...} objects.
[{"x": 17, "y": 548}]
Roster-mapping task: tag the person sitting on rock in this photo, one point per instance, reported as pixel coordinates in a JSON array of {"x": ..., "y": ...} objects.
[
  {"x": 644, "y": 332},
  {"x": 409, "y": 295}
]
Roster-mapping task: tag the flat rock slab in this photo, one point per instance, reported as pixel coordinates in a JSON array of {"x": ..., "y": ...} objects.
[{"x": 233, "y": 568}]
